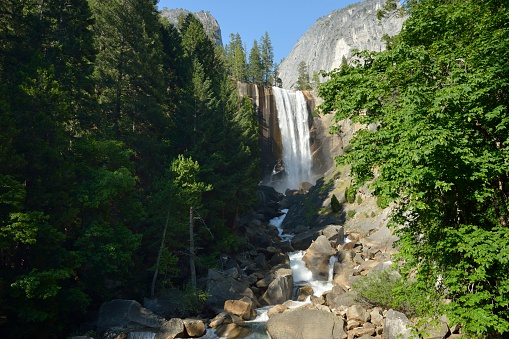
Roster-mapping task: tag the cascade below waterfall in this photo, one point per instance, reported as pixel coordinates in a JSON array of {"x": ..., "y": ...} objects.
[{"x": 294, "y": 125}]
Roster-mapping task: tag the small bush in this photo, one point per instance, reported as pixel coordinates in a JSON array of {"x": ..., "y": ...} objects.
[
  {"x": 377, "y": 289},
  {"x": 359, "y": 200},
  {"x": 335, "y": 204},
  {"x": 382, "y": 202},
  {"x": 350, "y": 214},
  {"x": 350, "y": 194},
  {"x": 348, "y": 148}
]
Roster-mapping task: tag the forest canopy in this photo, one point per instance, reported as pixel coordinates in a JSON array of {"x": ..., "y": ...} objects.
[{"x": 111, "y": 121}]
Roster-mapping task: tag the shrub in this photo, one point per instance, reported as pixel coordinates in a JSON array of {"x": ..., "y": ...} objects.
[
  {"x": 335, "y": 204},
  {"x": 350, "y": 194},
  {"x": 377, "y": 289}
]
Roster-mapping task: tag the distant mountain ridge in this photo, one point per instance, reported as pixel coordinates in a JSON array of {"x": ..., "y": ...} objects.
[
  {"x": 208, "y": 21},
  {"x": 333, "y": 36}
]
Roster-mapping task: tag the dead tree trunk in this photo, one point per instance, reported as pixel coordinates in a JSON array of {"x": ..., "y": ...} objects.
[{"x": 192, "y": 248}]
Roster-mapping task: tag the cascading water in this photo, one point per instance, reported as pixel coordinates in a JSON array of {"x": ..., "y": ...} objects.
[{"x": 294, "y": 125}]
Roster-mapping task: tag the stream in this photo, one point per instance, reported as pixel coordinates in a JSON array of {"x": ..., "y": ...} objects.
[{"x": 302, "y": 276}]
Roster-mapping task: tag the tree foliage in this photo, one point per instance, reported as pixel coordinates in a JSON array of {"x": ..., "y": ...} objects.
[
  {"x": 97, "y": 99},
  {"x": 438, "y": 98}
]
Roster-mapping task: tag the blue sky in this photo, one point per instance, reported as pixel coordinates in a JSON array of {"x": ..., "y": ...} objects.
[{"x": 284, "y": 20}]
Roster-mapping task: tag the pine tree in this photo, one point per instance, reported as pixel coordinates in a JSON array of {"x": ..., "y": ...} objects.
[
  {"x": 255, "y": 64},
  {"x": 267, "y": 56},
  {"x": 236, "y": 58},
  {"x": 303, "y": 79}
]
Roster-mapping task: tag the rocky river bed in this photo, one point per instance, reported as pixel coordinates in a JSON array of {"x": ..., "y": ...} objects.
[{"x": 294, "y": 281}]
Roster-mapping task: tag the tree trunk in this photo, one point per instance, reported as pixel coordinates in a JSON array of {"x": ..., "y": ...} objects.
[
  {"x": 154, "y": 278},
  {"x": 191, "y": 248}
]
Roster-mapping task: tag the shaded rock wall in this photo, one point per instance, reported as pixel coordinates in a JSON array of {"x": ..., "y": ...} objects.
[{"x": 269, "y": 132}]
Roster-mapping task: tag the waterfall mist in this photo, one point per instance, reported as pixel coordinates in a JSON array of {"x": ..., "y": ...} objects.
[{"x": 294, "y": 125}]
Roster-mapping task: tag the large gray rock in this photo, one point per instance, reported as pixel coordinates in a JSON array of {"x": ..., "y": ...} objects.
[
  {"x": 334, "y": 36},
  {"x": 126, "y": 315},
  {"x": 207, "y": 20},
  {"x": 280, "y": 289},
  {"x": 306, "y": 324},
  {"x": 397, "y": 326},
  {"x": 222, "y": 287},
  {"x": 317, "y": 258},
  {"x": 173, "y": 328}
]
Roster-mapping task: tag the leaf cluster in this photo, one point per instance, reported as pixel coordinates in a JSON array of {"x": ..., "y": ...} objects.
[{"x": 435, "y": 107}]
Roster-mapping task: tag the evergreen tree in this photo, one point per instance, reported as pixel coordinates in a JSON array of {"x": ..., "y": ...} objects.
[
  {"x": 255, "y": 64},
  {"x": 45, "y": 70},
  {"x": 267, "y": 56},
  {"x": 129, "y": 78},
  {"x": 236, "y": 58},
  {"x": 303, "y": 79}
]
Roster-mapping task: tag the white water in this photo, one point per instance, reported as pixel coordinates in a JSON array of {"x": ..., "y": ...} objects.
[
  {"x": 301, "y": 276},
  {"x": 293, "y": 122}
]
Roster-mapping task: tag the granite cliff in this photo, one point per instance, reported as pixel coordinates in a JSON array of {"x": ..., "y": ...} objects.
[
  {"x": 334, "y": 36},
  {"x": 209, "y": 23}
]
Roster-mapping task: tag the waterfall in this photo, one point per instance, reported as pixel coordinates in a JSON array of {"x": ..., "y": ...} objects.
[{"x": 293, "y": 122}]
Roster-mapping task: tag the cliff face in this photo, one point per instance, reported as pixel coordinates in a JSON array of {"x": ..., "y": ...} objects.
[
  {"x": 209, "y": 23},
  {"x": 332, "y": 37}
]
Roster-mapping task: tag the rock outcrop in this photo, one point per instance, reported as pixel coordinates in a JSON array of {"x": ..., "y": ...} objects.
[
  {"x": 208, "y": 21},
  {"x": 334, "y": 36}
]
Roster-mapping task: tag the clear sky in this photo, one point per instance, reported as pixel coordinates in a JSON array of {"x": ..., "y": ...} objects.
[{"x": 284, "y": 20}]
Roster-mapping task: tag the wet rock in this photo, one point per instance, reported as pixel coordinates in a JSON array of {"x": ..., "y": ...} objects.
[
  {"x": 304, "y": 292},
  {"x": 276, "y": 310},
  {"x": 317, "y": 258},
  {"x": 280, "y": 289},
  {"x": 305, "y": 323},
  {"x": 233, "y": 330},
  {"x": 173, "y": 328}
]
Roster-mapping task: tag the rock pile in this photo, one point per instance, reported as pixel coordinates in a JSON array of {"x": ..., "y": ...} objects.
[{"x": 262, "y": 277}]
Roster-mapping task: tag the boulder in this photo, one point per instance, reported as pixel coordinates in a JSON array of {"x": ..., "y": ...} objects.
[
  {"x": 302, "y": 241},
  {"x": 306, "y": 323},
  {"x": 126, "y": 315},
  {"x": 317, "y": 258},
  {"x": 280, "y": 289},
  {"x": 381, "y": 240},
  {"x": 194, "y": 328},
  {"x": 243, "y": 308},
  {"x": 397, "y": 326},
  {"x": 338, "y": 298},
  {"x": 433, "y": 330},
  {"x": 276, "y": 310},
  {"x": 233, "y": 330},
  {"x": 357, "y": 312},
  {"x": 173, "y": 328},
  {"x": 376, "y": 316},
  {"x": 335, "y": 234},
  {"x": 222, "y": 287}
]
